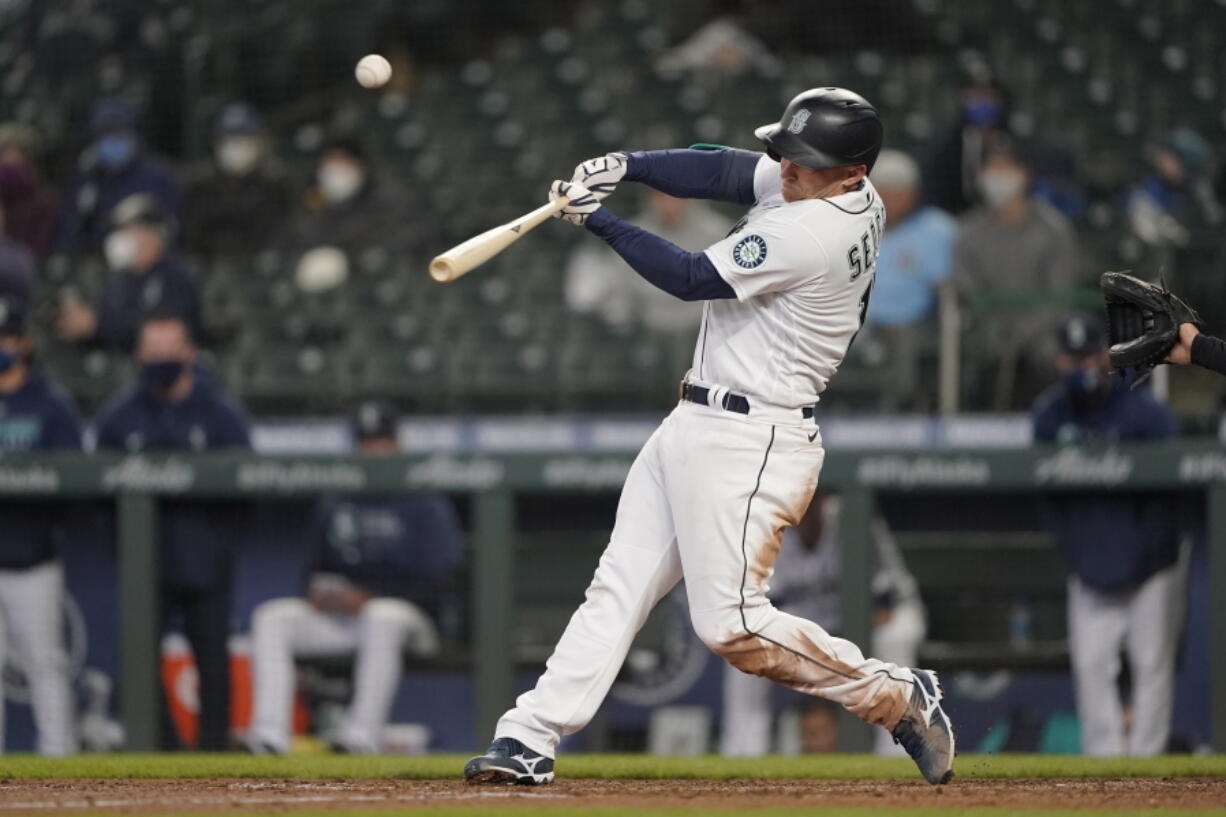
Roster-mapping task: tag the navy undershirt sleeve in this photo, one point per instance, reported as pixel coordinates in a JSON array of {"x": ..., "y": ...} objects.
[
  {"x": 1210, "y": 353},
  {"x": 689, "y": 276},
  {"x": 722, "y": 175}
]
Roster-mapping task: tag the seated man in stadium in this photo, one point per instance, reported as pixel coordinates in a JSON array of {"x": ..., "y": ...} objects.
[
  {"x": 177, "y": 405},
  {"x": 1014, "y": 245},
  {"x": 27, "y": 199},
  {"x": 146, "y": 277},
  {"x": 112, "y": 167},
  {"x": 916, "y": 256},
  {"x": 806, "y": 582},
  {"x": 236, "y": 201},
  {"x": 1126, "y": 578},
  {"x": 383, "y": 564},
  {"x": 353, "y": 205},
  {"x": 34, "y": 416}
]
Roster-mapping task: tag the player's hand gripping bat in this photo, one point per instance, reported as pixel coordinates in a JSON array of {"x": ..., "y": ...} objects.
[{"x": 465, "y": 257}]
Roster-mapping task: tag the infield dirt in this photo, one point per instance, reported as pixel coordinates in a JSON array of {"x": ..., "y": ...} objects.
[{"x": 700, "y": 796}]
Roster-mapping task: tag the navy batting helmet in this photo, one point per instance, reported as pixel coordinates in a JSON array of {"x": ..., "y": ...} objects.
[{"x": 825, "y": 127}]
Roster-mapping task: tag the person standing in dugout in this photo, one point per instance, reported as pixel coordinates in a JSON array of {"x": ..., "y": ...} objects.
[
  {"x": 34, "y": 417},
  {"x": 738, "y": 459}
]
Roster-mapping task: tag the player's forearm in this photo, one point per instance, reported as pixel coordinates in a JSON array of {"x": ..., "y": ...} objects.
[
  {"x": 687, "y": 275},
  {"x": 722, "y": 175},
  {"x": 1209, "y": 352}
]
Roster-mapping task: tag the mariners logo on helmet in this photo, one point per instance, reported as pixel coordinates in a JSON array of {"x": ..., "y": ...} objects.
[
  {"x": 798, "y": 121},
  {"x": 750, "y": 251}
]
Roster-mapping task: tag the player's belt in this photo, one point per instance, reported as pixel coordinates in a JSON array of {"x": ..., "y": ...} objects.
[{"x": 738, "y": 403}]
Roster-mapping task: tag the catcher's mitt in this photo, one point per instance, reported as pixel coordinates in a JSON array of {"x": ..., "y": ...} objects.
[{"x": 1142, "y": 321}]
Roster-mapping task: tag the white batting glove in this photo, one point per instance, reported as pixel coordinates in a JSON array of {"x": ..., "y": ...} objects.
[
  {"x": 601, "y": 175},
  {"x": 582, "y": 201}
]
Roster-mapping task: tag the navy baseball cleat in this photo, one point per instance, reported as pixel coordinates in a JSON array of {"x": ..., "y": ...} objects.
[
  {"x": 925, "y": 731},
  {"x": 509, "y": 761}
]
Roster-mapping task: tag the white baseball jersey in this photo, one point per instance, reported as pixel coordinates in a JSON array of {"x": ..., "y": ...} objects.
[{"x": 802, "y": 273}]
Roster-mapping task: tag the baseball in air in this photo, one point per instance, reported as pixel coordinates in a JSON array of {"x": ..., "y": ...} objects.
[{"x": 373, "y": 70}]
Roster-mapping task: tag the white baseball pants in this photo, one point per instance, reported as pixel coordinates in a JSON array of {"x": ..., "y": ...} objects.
[
  {"x": 1146, "y": 622},
  {"x": 31, "y": 619},
  {"x": 708, "y": 497},
  {"x": 284, "y": 628},
  {"x": 745, "y": 730}
]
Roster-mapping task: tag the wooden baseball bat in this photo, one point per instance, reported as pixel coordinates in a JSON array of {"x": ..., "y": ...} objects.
[{"x": 463, "y": 258}]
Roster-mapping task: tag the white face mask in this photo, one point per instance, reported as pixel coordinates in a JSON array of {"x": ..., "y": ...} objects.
[
  {"x": 238, "y": 155},
  {"x": 1000, "y": 188},
  {"x": 340, "y": 181},
  {"x": 120, "y": 250}
]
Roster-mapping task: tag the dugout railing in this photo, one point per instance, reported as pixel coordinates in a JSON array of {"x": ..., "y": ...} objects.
[{"x": 136, "y": 483}]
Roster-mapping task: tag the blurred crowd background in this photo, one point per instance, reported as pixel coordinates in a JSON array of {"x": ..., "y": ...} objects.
[
  {"x": 292, "y": 212},
  {"x": 206, "y": 220}
]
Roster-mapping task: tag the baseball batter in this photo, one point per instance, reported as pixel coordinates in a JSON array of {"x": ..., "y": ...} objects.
[{"x": 737, "y": 461}]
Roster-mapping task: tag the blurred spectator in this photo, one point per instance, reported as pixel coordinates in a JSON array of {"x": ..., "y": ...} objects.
[
  {"x": 114, "y": 166},
  {"x": 352, "y": 206},
  {"x": 725, "y": 45},
  {"x": 16, "y": 269},
  {"x": 176, "y": 405},
  {"x": 951, "y": 176},
  {"x": 383, "y": 566},
  {"x": 916, "y": 256},
  {"x": 1126, "y": 582},
  {"x": 1013, "y": 246},
  {"x": 27, "y": 200},
  {"x": 34, "y": 416},
  {"x": 1177, "y": 195},
  {"x": 238, "y": 200},
  {"x": 146, "y": 277},
  {"x": 806, "y": 583}
]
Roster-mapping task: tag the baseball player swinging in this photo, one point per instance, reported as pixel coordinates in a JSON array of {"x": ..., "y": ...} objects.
[{"x": 737, "y": 461}]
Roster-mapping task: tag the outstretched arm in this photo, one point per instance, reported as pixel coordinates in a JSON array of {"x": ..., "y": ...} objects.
[
  {"x": 689, "y": 276},
  {"x": 722, "y": 174}
]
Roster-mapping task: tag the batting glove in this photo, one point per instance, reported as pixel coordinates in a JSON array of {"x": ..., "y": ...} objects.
[
  {"x": 582, "y": 202},
  {"x": 601, "y": 175}
]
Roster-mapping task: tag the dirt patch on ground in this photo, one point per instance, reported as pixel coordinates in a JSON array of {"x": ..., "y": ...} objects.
[{"x": 196, "y": 796}]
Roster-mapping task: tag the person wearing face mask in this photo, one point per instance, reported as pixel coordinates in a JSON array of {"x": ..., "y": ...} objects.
[
  {"x": 951, "y": 173},
  {"x": 353, "y": 206},
  {"x": 1013, "y": 244},
  {"x": 146, "y": 277},
  {"x": 112, "y": 167},
  {"x": 240, "y": 196},
  {"x": 29, "y": 203},
  {"x": 1122, "y": 549},
  {"x": 35, "y": 416},
  {"x": 176, "y": 405}
]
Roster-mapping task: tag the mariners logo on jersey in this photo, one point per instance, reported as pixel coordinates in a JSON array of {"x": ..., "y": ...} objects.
[{"x": 750, "y": 251}]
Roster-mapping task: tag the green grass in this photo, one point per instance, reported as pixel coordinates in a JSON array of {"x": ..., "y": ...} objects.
[
  {"x": 643, "y": 767},
  {"x": 842, "y": 811}
]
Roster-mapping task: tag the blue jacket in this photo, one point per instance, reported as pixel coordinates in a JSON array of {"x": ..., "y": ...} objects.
[
  {"x": 1110, "y": 540},
  {"x": 406, "y": 546},
  {"x": 197, "y": 537},
  {"x": 93, "y": 192},
  {"x": 36, "y": 417},
  {"x": 129, "y": 297}
]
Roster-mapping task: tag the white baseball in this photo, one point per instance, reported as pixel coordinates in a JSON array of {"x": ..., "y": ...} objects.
[{"x": 373, "y": 70}]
